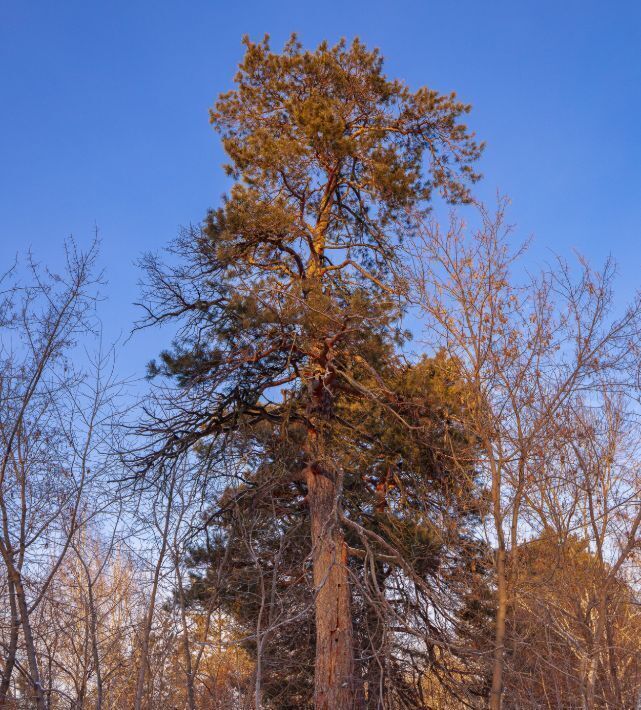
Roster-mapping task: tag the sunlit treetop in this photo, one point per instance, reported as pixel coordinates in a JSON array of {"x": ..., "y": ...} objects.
[{"x": 328, "y": 154}]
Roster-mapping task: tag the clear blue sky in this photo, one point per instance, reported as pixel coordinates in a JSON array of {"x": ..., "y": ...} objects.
[{"x": 103, "y": 116}]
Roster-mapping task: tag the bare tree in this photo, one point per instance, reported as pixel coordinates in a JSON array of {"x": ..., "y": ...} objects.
[
  {"x": 43, "y": 464},
  {"x": 526, "y": 351}
]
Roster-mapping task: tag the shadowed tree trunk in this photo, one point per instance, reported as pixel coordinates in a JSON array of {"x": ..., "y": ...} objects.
[
  {"x": 499, "y": 634},
  {"x": 30, "y": 646},
  {"x": 496, "y": 691},
  {"x": 10, "y": 660}
]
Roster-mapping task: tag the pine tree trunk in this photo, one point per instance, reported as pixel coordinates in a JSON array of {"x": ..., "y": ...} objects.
[{"x": 334, "y": 673}]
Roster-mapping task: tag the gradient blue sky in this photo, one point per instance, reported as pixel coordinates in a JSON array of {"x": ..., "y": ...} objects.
[{"x": 103, "y": 116}]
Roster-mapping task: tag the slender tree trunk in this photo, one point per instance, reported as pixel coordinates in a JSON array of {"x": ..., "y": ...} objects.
[
  {"x": 334, "y": 673},
  {"x": 593, "y": 658},
  {"x": 496, "y": 692},
  {"x": 34, "y": 672},
  {"x": 146, "y": 631},
  {"x": 10, "y": 660},
  {"x": 189, "y": 673},
  {"x": 260, "y": 638},
  {"x": 590, "y": 677},
  {"x": 375, "y": 670},
  {"x": 377, "y": 665},
  {"x": 95, "y": 652},
  {"x": 617, "y": 696}
]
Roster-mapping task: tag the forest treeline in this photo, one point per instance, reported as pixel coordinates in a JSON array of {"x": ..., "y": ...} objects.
[{"x": 384, "y": 463}]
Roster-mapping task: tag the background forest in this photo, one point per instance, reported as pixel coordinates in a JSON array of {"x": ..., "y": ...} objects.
[{"x": 382, "y": 458}]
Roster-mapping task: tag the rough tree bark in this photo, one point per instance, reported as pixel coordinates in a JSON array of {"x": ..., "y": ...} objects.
[
  {"x": 334, "y": 687},
  {"x": 334, "y": 673}
]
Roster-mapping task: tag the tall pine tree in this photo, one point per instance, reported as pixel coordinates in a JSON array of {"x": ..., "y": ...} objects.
[{"x": 286, "y": 293}]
